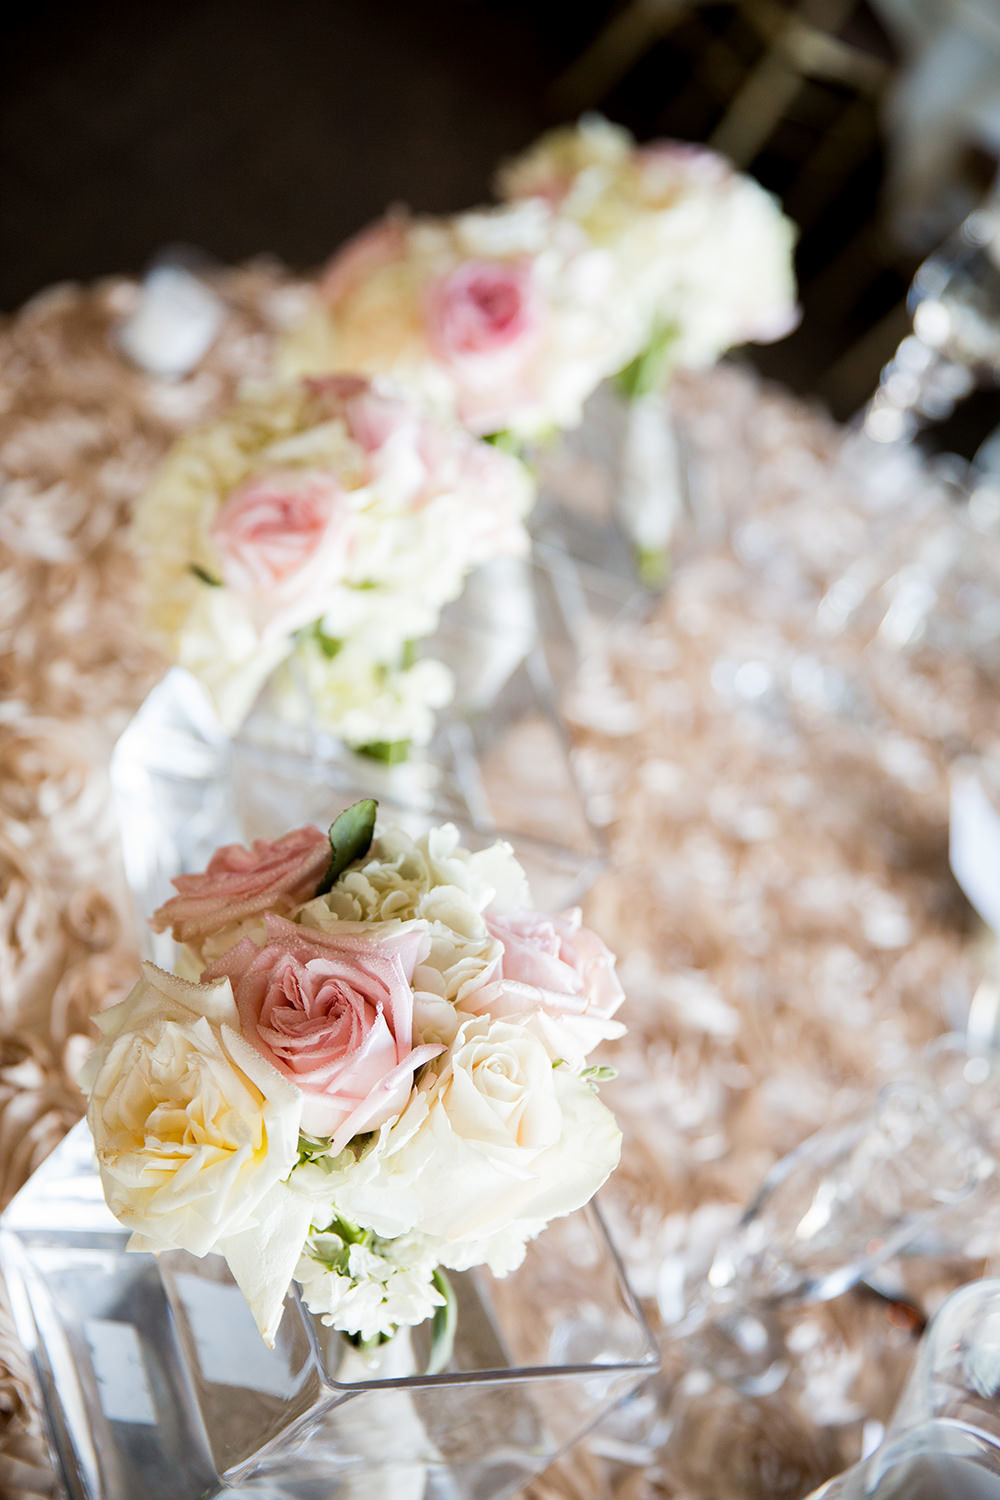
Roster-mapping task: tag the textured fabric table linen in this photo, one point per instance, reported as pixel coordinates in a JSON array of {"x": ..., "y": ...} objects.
[{"x": 768, "y": 755}]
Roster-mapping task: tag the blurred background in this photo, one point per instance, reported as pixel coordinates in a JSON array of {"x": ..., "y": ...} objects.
[{"x": 244, "y": 127}]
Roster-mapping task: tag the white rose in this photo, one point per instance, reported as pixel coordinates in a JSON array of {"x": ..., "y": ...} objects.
[
  {"x": 430, "y": 877},
  {"x": 194, "y": 1133},
  {"x": 498, "y": 1140}
]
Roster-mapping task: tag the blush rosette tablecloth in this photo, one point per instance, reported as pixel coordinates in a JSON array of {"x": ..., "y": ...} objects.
[{"x": 768, "y": 755}]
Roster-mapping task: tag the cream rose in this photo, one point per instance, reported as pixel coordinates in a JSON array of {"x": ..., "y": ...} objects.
[
  {"x": 195, "y": 1132},
  {"x": 498, "y": 1141},
  {"x": 702, "y": 250}
]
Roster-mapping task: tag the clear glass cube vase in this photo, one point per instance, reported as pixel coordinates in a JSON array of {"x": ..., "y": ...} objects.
[
  {"x": 621, "y": 494},
  {"x": 156, "y": 1384},
  {"x": 499, "y": 763}
]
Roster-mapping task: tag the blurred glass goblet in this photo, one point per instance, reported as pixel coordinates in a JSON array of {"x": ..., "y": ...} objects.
[
  {"x": 954, "y": 301},
  {"x": 943, "y": 1442},
  {"x": 914, "y": 1171}
]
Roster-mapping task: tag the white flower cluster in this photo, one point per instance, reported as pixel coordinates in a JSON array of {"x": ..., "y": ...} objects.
[
  {"x": 509, "y": 317},
  {"x": 704, "y": 253},
  {"x": 380, "y": 1072},
  {"x": 326, "y": 521},
  {"x": 360, "y": 1283},
  {"x": 505, "y": 317}
]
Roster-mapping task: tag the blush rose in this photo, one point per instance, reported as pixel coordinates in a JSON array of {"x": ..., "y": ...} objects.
[
  {"x": 241, "y": 883},
  {"x": 334, "y": 1014},
  {"x": 556, "y": 967},
  {"x": 481, "y": 308},
  {"x": 280, "y": 534},
  {"x": 372, "y": 248}
]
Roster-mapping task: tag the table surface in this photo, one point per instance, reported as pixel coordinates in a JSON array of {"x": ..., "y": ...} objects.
[{"x": 768, "y": 754}]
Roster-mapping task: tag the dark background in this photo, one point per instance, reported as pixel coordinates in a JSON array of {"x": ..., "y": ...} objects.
[{"x": 249, "y": 126}]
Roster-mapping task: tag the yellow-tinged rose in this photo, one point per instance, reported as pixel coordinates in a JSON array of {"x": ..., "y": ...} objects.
[{"x": 195, "y": 1132}]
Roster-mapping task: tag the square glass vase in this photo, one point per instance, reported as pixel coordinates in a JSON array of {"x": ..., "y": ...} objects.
[
  {"x": 621, "y": 495},
  {"x": 156, "y": 1384},
  {"x": 499, "y": 764}
]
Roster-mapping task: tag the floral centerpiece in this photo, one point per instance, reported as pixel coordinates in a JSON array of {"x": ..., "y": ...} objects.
[
  {"x": 506, "y": 317},
  {"x": 323, "y": 522},
  {"x": 378, "y": 1069},
  {"x": 705, "y": 262},
  {"x": 606, "y": 259},
  {"x": 704, "y": 253}
]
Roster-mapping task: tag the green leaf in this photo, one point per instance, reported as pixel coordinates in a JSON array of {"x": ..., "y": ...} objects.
[
  {"x": 330, "y": 645},
  {"x": 598, "y": 1074},
  {"x": 205, "y": 576},
  {"x": 346, "y": 1234},
  {"x": 408, "y": 655},
  {"x": 443, "y": 1326},
  {"x": 389, "y": 752},
  {"x": 350, "y": 839},
  {"x": 351, "y": 1234},
  {"x": 310, "y": 1149},
  {"x": 505, "y": 441},
  {"x": 650, "y": 369},
  {"x": 653, "y": 566}
]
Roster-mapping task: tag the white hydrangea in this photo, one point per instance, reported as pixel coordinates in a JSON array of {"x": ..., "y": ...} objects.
[
  {"x": 702, "y": 249},
  {"x": 430, "y": 876},
  {"x": 372, "y": 1287},
  {"x": 361, "y": 696},
  {"x": 332, "y": 502}
]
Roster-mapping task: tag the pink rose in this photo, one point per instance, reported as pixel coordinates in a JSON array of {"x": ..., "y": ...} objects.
[
  {"x": 557, "y": 966},
  {"x": 482, "y": 308},
  {"x": 495, "y": 484},
  {"x": 428, "y": 457},
  {"x": 664, "y": 160},
  {"x": 546, "y": 183},
  {"x": 372, "y": 418},
  {"x": 241, "y": 883},
  {"x": 278, "y": 534},
  {"x": 400, "y": 446},
  {"x": 376, "y": 246},
  {"x": 334, "y": 1014}
]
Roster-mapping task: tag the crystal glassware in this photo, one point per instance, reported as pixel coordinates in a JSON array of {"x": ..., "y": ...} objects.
[
  {"x": 913, "y": 1172},
  {"x": 955, "y": 344},
  {"x": 943, "y": 1442},
  {"x": 155, "y": 1382}
]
